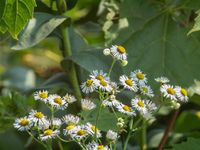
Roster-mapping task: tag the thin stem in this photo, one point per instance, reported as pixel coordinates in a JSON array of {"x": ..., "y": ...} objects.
[
  {"x": 143, "y": 138},
  {"x": 168, "y": 130},
  {"x": 111, "y": 67},
  {"x": 129, "y": 134},
  {"x": 36, "y": 139},
  {"x": 61, "y": 139},
  {"x": 72, "y": 69},
  {"x": 60, "y": 145},
  {"x": 96, "y": 121}
]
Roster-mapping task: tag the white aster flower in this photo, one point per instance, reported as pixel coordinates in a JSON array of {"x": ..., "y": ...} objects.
[
  {"x": 115, "y": 87},
  {"x": 23, "y": 124},
  {"x": 69, "y": 129},
  {"x": 125, "y": 109},
  {"x": 181, "y": 94},
  {"x": 99, "y": 75},
  {"x": 69, "y": 98},
  {"x": 168, "y": 91},
  {"x": 71, "y": 119},
  {"x": 119, "y": 52},
  {"x": 41, "y": 95},
  {"x": 87, "y": 104},
  {"x": 110, "y": 103},
  {"x": 151, "y": 106},
  {"x": 139, "y": 105},
  {"x": 146, "y": 90},
  {"x": 139, "y": 76},
  {"x": 89, "y": 86},
  {"x": 95, "y": 146},
  {"x": 80, "y": 132},
  {"x": 48, "y": 134},
  {"x": 92, "y": 130},
  {"x": 104, "y": 85},
  {"x": 111, "y": 135},
  {"x": 162, "y": 80},
  {"x": 128, "y": 83},
  {"x": 57, "y": 102},
  {"x": 38, "y": 119},
  {"x": 56, "y": 123}
]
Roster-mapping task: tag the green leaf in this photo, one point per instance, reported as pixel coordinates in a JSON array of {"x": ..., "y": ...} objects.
[
  {"x": 162, "y": 48},
  {"x": 93, "y": 60},
  {"x": 196, "y": 26},
  {"x": 15, "y": 14},
  {"x": 181, "y": 124},
  {"x": 38, "y": 28},
  {"x": 190, "y": 144}
]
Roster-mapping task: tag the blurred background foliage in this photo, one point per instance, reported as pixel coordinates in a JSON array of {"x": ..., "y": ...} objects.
[{"x": 154, "y": 32}]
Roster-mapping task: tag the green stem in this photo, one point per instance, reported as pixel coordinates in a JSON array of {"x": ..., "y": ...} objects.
[
  {"x": 129, "y": 134},
  {"x": 96, "y": 121},
  {"x": 143, "y": 145},
  {"x": 36, "y": 139},
  {"x": 111, "y": 67},
  {"x": 60, "y": 145}
]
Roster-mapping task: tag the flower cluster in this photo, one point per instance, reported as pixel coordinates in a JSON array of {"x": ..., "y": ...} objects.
[{"x": 131, "y": 114}]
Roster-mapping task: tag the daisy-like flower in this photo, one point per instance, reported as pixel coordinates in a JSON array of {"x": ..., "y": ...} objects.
[
  {"x": 38, "y": 119},
  {"x": 119, "y": 52},
  {"x": 104, "y": 85},
  {"x": 95, "y": 146},
  {"x": 99, "y": 75},
  {"x": 168, "y": 91},
  {"x": 128, "y": 83},
  {"x": 23, "y": 124},
  {"x": 87, "y": 104},
  {"x": 139, "y": 76},
  {"x": 89, "y": 86},
  {"x": 111, "y": 135},
  {"x": 181, "y": 94},
  {"x": 56, "y": 123},
  {"x": 125, "y": 109},
  {"x": 146, "y": 90},
  {"x": 79, "y": 132},
  {"x": 69, "y": 98},
  {"x": 115, "y": 88},
  {"x": 71, "y": 119},
  {"x": 110, "y": 103},
  {"x": 150, "y": 106},
  {"x": 48, "y": 134},
  {"x": 41, "y": 95},
  {"x": 139, "y": 105},
  {"x": 57, "y": 102},
  {"x": 92, "y": 130},
  {"x": 162, "y": 80}
]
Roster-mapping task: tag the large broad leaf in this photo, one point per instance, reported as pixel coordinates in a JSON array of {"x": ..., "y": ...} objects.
[
  {"x": 190, "y": 144},
  {"x": 162, "y": 48},
  {"x": 37, "y": 29},
  {"x": 14, "y": 15}
]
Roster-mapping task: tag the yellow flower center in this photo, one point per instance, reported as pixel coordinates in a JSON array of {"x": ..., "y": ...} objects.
[
  {"x": 69, "y": 127},
  {"x": 81, "y": 132},
  {"x": 198, "y": 114},
  {"x": 43, "y": 95},
  {"x": 89, "y": 83},
  {"x": 121, "y": 49},
  {"x": 171, "y": 91},
  {"x": 48, "y": 132},
  {"x": 129, "y": 82},
  {"x": 100, "y": 147},
  {"x": 39, "y": 115},
  {"x": 140, "y": 76},
  {"x": 99, "y": 77},
  {"x": 145, "y": 90},
  {"x": 58, "y": 100},
  {"x": 127, "y": 108},
  {"x": 184, "y": 92},
  {"x": 94, "y": 128},
  {"x": 140, "y": 103},
  {"x": 24, "y": 122},
  {"x": 103, "y": 83}
]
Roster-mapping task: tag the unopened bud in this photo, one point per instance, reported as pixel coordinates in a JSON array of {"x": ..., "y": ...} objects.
[
  {"x": 124, "y": 62},
  {"x": 106, "y": 51}
]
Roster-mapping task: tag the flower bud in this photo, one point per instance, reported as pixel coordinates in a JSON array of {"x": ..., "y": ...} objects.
[
  {"x": 124, "y": 62},
  {"x": 106, "y": 51}
]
